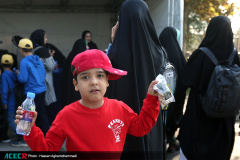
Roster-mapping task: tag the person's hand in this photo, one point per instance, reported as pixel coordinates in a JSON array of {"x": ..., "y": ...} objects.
[
  {"x": 51, "y": 52},
  {"x": 87, "y": 47},
  {"x": 5, "y": 106},
  {"x": 17, "y": 72},
  {"x": 19, "y": 116},
  {"x": 114, "y": 31},
  {"x": 151, "y": 91}
]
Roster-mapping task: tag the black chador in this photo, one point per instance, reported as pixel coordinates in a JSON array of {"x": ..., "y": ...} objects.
[
  {"x": 203, "y": 137},
  {"x": 68, "y": 90},
  {"x": 168, "y": 39},
  {"x": 137, "y": 50}
]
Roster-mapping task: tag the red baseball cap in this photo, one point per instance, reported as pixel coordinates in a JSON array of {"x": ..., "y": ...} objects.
[{"x": 94, "y": 58}]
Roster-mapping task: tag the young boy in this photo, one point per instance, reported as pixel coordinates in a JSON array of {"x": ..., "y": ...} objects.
[
  {"x": 94, "y": 123},
  {"x": 32, "y": 74},
  {"x": 8, "y": 82}
]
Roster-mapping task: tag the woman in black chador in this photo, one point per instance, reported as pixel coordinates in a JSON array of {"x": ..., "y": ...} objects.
[
  {"x": 168, "y": 39},
  {"x": 202, "y": 137},
  {"x": 69, "y": 94},
  {"x": 58, "y": 55},
  {"x": 87, "y": 36},
  {"x": 136, "y": 49}
]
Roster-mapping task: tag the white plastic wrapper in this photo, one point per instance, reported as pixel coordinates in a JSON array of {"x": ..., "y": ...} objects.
[
  {"x": 170, "y": 75},
  {"x": 165, "y": 95}
]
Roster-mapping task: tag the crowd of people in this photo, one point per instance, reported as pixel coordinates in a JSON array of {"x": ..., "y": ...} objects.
[
  {"x": 34, "y": 66},
  {"x": 107, "y": 99}
]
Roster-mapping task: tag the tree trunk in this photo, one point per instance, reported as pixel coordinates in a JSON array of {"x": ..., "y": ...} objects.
[{"x": 185, "y": 29}]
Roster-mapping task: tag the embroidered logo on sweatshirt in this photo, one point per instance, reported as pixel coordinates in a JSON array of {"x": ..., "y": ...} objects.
[{"x": 116, "y": 126}]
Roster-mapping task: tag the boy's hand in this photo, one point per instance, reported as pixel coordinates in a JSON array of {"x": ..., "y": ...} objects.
[
  {"x": 161, "y": 98},
  {"x": 151, "y": 91},
  {"x": 17, "y": 71},
  {"x": 19, "y": 116}
]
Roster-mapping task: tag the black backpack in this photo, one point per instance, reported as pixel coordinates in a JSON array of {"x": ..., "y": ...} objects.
[{"x": 222, "y": 97}]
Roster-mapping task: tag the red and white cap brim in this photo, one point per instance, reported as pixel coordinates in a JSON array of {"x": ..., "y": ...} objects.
[{"x": 114, "y": 73}]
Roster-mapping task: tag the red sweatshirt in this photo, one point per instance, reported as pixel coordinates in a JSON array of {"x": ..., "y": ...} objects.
[{"x": 101, "y": 129}]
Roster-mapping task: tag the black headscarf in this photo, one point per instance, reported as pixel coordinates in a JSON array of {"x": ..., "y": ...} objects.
[
  {"x": 37, "y": 38},
  {"x": 199, "y": 134},
  {"x": 69, "y": 93},
  {"x": 16, "y": 39},
  {"x": 58, "y": 56},
  {"x": 90, "y": 44},
  {"x": 168, "y": 39},
  {"x": 137, "y": 50}
]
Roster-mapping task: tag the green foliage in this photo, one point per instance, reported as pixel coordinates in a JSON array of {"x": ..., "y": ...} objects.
[{"x": 197, "y": 14}]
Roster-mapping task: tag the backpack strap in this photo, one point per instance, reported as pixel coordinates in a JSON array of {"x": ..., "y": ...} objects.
[
  {"x": 232, "y": 55},
  {"x": 209, "y": 54},
  {"x": 35, "y": 49}
]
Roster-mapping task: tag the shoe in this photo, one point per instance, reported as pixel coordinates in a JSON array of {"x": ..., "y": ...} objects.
[
  {"x": 19, "y": 143},
  {"x": 171, "y": 149},
  {"x": 6, "y": 140},
  {"x": 173, "y": 146}
]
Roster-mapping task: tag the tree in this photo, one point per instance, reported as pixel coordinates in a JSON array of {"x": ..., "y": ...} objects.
[{"x": 197, "y": 14}]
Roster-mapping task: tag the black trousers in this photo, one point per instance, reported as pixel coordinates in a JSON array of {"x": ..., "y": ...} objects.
[
  {"x": 3, "y": 123},
  {"x": 42, "y": 119}
]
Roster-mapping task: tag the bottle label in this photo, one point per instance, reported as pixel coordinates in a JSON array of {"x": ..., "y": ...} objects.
[{"x": 27, "y": 116}]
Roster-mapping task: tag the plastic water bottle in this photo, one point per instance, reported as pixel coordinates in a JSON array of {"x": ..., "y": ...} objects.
[{"x": 28, "y": 107}]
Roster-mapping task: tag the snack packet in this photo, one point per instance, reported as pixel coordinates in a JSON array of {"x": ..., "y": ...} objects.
[{"x": 165, "y": 95}]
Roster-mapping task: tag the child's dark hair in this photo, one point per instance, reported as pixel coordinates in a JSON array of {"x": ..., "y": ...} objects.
[
  {"x": 7, "y": 65},
  {"x": 27, "y": 50},
  {"x": 75, "y": 76}
]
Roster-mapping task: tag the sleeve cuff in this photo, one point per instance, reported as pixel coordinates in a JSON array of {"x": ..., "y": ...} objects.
[{"x": 152, "y": 99}]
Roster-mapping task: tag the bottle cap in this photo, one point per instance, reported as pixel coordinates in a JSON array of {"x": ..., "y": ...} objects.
[{"x": 30, "y": 95}]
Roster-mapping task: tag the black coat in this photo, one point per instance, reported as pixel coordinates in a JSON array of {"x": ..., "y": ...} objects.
[
  {"x": 136, "y": 49},
  {"x": 202, "y": 137}
]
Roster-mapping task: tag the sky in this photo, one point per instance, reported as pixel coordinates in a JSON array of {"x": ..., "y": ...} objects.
[{"x": 235, "y": 19}]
